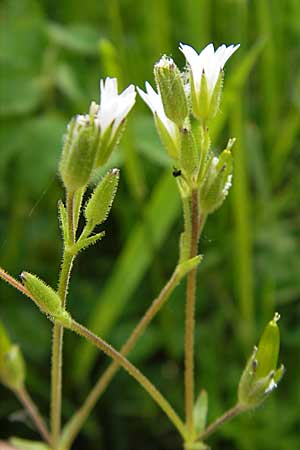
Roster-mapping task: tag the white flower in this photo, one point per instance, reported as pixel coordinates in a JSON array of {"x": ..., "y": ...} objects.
[
  {"x": 208, "y": 61},
  {"x": 154, "y": 101},
  {"x": 113, "y": 107}
]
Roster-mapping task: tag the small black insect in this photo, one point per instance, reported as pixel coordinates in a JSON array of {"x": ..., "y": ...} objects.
[{"x": 176, "y": 172}]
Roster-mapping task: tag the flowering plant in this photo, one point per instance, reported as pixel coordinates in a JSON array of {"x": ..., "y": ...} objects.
[{"x": 183, "y": 107}]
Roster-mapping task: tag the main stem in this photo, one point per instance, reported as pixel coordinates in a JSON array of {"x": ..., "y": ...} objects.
[
  {"x": 58, "y": 332},
  {"x": 28, "y": 403},
  {"x": 193, "y": 227},
  {"x": 77, "y": 421},
  {"x": 134, "y": 372}
]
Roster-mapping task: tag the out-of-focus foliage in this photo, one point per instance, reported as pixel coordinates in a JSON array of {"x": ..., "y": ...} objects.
[{"x": 52, "y": 54}]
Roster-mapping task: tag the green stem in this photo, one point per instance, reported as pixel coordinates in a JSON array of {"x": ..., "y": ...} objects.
[
  {"x": 30, "y": 406},
  {"x": 73, "y": 427},
  {"x": 226, "y": 417},
  {"x": 134, "y": 372},
  {"x": 58, "y": 332},
  {"x": 13, "y": 282},
  {"x": 193, "y": 222},
  {"x": 191, "y": 228}
]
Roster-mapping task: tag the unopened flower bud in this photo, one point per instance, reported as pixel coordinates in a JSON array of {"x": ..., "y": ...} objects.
[
  {"x": 12, "y": 366},
  {"x": 100, "y": 203},
  {"x": 45, "y": 298},
  {"x": 261, "y": 375},
  {"x": 79, "y": 152},
  {"x": 170, "y": 85},
  {"x": 216, "y": 181},
  {"x": 189, "y": 154}
]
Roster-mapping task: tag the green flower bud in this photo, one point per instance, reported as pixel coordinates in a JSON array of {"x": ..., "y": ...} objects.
[
  {"x": 189, "y": 155},
  {"x": 216, "y": 181},
  {"x": 261, "y": 374},
  {"x": 170, "y": 85},
  {"x": 45, "y": 298},
  {"x": 79, "y": 152},
  {"x": 100, "y": 203},
  {"x": 12, "y": 366}
]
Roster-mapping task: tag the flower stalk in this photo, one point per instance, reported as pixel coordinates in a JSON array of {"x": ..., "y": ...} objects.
[
  {"x": 134, "y": 372},
  {"x": 32, "y": 409},
  {"x": 58, "y": 330},
  {"x": 75, "y": 424},
  {"x": 226, "y": 417}
]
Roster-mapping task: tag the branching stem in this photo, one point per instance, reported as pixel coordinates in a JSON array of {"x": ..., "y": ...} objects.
[
  {"x": 75, "y": 424},
  {"x": 134, "y": 372}
]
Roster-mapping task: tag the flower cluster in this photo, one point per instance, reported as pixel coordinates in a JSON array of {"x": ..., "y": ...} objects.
[{"x": 182, "y": 107}]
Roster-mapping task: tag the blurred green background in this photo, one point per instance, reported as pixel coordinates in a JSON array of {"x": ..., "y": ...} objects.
[{"x": 53, "y": 53}]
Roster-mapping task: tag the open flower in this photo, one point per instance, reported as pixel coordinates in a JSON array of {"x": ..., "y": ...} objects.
[
  {"x": 91, "y": 137},
  {"x": 206, "y": 76},
  {"x": 113, "y": 107},
  {"x": 167, "y": 129}
]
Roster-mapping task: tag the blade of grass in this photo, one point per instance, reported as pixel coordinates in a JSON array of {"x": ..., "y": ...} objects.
[{"x": 243, "y": 232}]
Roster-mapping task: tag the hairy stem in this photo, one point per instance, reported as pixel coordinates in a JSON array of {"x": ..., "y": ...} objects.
[
  {"x": 226, "y": 417},
  {"x": 193, "y": 225},
  {"x": 58, "y": 332},
  {"x": 190, "y": 317},
  {"x": 13, "y": 282},
  {"x": 134, "y": 372},
  {"x": 75, "y": 424},
  {"x": 32, "y": 409}
]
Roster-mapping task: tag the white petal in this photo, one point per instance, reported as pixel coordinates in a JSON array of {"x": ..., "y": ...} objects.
[
  {"x": 153, "y": 100},
  {"x": 209, "y": 60}
]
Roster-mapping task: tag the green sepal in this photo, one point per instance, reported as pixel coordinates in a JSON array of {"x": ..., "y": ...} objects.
[
  {"x": 170, "y": 86},
  {"x": 24, "y": 444},
  {"x": 189, "y": 154},
  {"x": 216, "y": 181},
  {"x": 63, "y": 220},
  {"x": 78, "y": 160},
  {"x": 215, "y": 100},
  {"x": 268, "y": 349},
  {"x": 203, "y": 99},
  {"x": 171, "y": 147},
  {"x": 45, "y": 298},
  {"x": 184, "y": 187},
  {"x": 200, "y": 412},
  {"x": 109, "y": 140},
  {"x": 100, "y": 203},
  {"x": 194, "y": 98}
]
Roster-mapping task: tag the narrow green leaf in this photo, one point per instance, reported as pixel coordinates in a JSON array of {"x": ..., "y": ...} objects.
[
  {"x": 24, "y": 444},
  {"x": 200, "y": 412}
]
